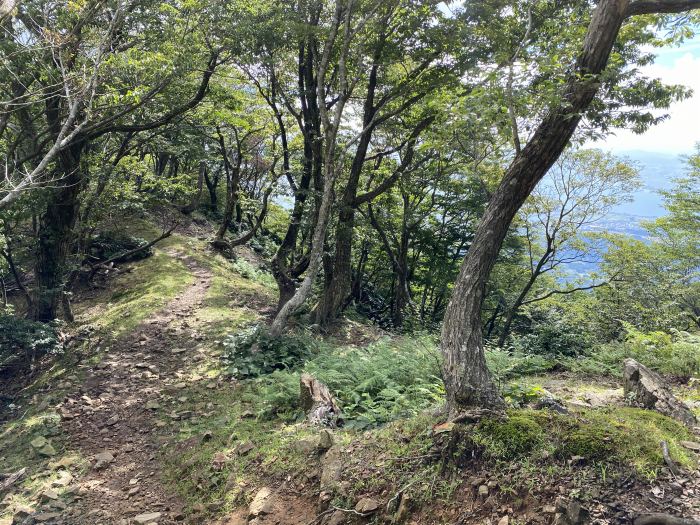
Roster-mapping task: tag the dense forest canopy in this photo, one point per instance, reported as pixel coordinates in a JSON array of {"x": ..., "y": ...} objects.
[{"x": 419, "y": 163}]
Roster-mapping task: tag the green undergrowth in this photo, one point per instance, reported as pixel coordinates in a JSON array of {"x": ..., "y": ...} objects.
[
  {"x": 676, "y": 354},
  {"x": 616, "y": 435},
  {"x": 34, "y": 417},
  {"x": 386, "y": 380}
]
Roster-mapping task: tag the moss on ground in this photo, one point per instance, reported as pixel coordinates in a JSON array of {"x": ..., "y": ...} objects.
[
  {"x": 614, "y": 435},
  {"x": 134, "y": 296},
  {"x": 38, "y": 419},
  {"x": 206, "y": 462}
]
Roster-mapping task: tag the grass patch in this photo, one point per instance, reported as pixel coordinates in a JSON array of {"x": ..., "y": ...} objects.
[{"x": 136, "y": 295}]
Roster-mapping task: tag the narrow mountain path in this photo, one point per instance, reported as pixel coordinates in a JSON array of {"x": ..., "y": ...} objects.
[{"x": 113, "y": 418}]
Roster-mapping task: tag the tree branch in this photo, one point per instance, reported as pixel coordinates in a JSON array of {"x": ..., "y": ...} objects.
[
  {"x": 566, "y": 292},
  {"x": 648, "y": 7}
]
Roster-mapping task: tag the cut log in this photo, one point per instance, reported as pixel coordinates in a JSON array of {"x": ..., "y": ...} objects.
[
  {"x": 663, "y": 519},
  {"x": 318, "y": 402},
  {"x": 645, "y": 388}
]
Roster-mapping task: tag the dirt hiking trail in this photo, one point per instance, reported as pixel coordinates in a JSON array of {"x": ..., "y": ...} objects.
[{"x": 112, "y": 418}]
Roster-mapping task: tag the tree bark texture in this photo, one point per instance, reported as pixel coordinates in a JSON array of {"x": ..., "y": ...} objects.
[{"x": 55, "y": 236}]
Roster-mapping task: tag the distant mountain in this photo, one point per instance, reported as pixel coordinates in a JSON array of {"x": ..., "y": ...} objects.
[{"x": 657, "y": 171}]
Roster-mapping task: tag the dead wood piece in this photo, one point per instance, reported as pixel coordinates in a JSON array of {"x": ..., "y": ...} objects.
[
  {"x": 11, "y": 479},
  {"x": 318, "y": 402},
  {"x": 109, "y": 263},
  {"x": 667, "y": 459},
  {"x": 645, "y": 388},
  {"x": 663, "y": 519}
]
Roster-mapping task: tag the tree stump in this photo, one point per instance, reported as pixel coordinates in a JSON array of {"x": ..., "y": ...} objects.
[
  {"x": 645, "y": 388},
  {"x": 318, "y": 402}
]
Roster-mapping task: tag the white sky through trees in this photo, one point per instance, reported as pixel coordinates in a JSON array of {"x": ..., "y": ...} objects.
[{"x": 681, "y": 131}]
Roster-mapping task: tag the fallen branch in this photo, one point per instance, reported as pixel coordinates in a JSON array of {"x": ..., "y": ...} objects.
[
  {"x": 667, "y": 459},
  {"x": 333, "y": 509},
  {"x": 663, "y": 519},
  {"x": 11, "y": 479},
  {"x": 399, "y": 494},
  {"x": 125, "y": 255}
]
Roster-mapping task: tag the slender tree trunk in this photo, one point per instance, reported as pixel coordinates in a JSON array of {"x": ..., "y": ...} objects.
[
  {"x": 7, "y": 255},
  {"x": 55, "y": 236},
  {"x": 467, "y": 378},
  {"x": 492, "y": 320},
  {"x": 233, "y": 177},
  {"x": 317, "y": 244},
  {"x": 518, "y": 303},
  {"x": 284, "y": 270},
  {"x": 212, "y": 185}
]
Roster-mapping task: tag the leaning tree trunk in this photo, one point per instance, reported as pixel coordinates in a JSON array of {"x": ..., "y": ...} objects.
[
  {"x": 467, "y": 379},
  {"x": 55, "y": 236}
]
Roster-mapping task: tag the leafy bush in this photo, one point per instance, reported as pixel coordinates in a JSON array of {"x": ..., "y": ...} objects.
[
  {"x": 553, "y": 335},
  {"x": 108, "y": 244},
  {"x": 25, "y": 338},
  {"x": 677, "y": 353},
  {"x": 252, "y": 352},
  {"x": 248, "y": 271},
  {"x": 505, "y": 364}
]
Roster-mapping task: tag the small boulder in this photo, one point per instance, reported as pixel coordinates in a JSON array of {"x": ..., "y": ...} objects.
[
  {"x": 331, "y": 469},
  {"x": 48, "y": 496},
  {"x": 42, "y": 446},
  {"x": 306, "y": 446},
  {"x": 645, "y": 388},
  {"x": 46, "y": 516},
  {"x": 243, "y": 448},
  {"x": 325, "y": 440},
  {"x": 47, "y": 451},
  {"x": 262, "y": 503},
  {"x": 367, "y": 506},
  {"x": 102, "y": 460},
  {"x": 337, "y": 518},
  {"x": 571, "y": 513},
  {"x": 691, "y": 445},
  {"x": 147, "y": 517},
  {"x": 38, "y": 442}
]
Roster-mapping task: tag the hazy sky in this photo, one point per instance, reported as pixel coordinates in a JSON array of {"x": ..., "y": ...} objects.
[{"x": 680, "y": 132}]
